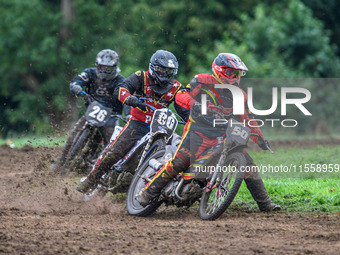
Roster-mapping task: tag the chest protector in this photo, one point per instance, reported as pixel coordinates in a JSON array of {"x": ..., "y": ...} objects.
[{"x": 145, "y": 115}]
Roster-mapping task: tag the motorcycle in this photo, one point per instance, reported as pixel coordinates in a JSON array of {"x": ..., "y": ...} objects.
[
  {"x": 120, "y": 175},
  {"x": 214, "y": 179},
  {"x": 89, "y": 141}
]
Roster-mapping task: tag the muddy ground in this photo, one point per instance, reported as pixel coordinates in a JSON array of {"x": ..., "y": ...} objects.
[{"x": 41, "y": 213}]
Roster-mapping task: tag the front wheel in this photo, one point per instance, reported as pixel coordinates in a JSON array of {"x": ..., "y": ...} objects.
[
  {"x": 138, "y": 183},
  {"x": 75, "y": 150},
  {"x": 214, "y": 202}
]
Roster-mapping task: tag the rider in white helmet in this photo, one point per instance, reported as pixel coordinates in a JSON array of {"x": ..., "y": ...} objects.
[{"x": 99, "y": 82}]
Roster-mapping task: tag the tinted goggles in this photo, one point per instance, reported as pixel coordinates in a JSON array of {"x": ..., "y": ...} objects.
[
  {"x": 107, "y": 69},
  {"x": 230, "y": 72},
  {"x": 166, "y": 71}
]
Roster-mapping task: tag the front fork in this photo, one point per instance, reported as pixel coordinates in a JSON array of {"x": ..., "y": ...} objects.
[
  {"x": 146, "y": 149},
  {"x": 218, "y": 174}
]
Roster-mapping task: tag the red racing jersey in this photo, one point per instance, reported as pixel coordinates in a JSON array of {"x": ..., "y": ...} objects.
[
  {"x": 138, "y": 83},
  {"x": 204, "y": 83}
]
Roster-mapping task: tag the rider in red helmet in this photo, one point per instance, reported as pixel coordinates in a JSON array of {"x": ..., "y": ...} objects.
[
  {"x": 228, "y": 68},
  {"x": 200, "y": 133}
]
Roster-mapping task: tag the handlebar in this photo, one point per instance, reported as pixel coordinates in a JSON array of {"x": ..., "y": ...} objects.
[
  {"x": 82, "y": 93},
  {"x": 86, "y": 96},
  {"x": 262, "y": 140},
  {"x": 141, "y": 102},
  {"x": 119, "y": 116}
]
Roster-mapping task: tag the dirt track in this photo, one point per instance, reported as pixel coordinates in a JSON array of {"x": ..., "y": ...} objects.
[{"x": 43, "y": 214}]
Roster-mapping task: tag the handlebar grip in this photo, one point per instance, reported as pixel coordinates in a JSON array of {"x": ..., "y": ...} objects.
[
  {"x": 262, "y": 140},
  {"x": 141, "y": 102},
  {"x": 82, "y": 93}
]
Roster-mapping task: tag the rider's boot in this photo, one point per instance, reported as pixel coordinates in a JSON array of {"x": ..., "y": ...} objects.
[
  {"x": 86, "y": 184},
  {"x": 56, "y": 165},
  {"x": 154, "y": 187},
  {"x": 259, "y": 193},
  {"x": 103, "y": 163}
]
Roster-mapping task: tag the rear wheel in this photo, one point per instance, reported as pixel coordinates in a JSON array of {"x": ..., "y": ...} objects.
[
  {"x": 138, "y": 183},
  {"x": 214, "y": 202}
]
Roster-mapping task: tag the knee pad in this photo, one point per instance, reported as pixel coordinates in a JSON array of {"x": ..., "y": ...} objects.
[{"x": 178, "y": 165}]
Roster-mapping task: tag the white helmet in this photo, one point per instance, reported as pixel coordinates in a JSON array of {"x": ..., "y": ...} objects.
[{"x": 107, "y": 62}]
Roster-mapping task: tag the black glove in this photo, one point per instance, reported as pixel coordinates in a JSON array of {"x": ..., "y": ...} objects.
[
  {"x": 264, "y": 144},
  {"x": 196, "y": 107},
  {"x": 132, "y": 101}
]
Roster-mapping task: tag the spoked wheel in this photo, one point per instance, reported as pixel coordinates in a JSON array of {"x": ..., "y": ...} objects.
[
  {"x": 138, "y": 183},
  {"x": 82, "y": 162},
  {"x": 75, "y": 150},
  {"x": 216, "y": 201}
]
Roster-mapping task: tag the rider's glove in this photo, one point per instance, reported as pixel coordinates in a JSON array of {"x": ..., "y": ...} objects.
[
  {"x": 196, "y": 107},
  {"x": 132, "y": 101},
  {"x": 212, "y": 108},
  {"x": 264, "y": 145},
  {"x": 75, "y": 88}
]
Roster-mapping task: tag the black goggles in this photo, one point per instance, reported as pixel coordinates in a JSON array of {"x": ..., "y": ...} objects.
[
  {"x": 166, "y": 71},
  {"x": 107, "y": 69}
]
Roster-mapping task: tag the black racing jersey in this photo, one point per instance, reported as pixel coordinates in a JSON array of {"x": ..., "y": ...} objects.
[{"x": 101, "y": 91}]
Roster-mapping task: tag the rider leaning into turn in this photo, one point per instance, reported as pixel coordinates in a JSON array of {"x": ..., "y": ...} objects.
[
  {"x": 200, "y": 134},
  {"x": 99, "y": 83},
  {"x": 159, "y": 87}
]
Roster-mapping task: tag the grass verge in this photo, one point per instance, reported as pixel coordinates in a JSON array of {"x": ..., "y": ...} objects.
[
  {"x": 298, "y": 195},
  {"x": 49, "y": 141}
]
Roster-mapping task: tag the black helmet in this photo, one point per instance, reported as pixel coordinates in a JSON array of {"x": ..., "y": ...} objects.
[
  {"x": 162, "y": 70},
  {"x": 107, "y": 62}
]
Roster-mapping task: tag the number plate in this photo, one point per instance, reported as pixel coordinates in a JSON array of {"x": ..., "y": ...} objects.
[
  {"x": 237, "y": 132},
  {"x": 164, "y": 119},
  {"x": 97, "y": 114}
]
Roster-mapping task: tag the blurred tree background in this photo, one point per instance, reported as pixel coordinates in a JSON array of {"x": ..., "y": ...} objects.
[{"x": 45, "y": 43}]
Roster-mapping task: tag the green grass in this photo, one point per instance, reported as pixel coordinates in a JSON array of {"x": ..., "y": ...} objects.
[
  {"x": 303, "y": 190},
  {"x": 298, "y": 195},
  {"x": 35, "y": 141},
  {"x": 317, "y": 162}
]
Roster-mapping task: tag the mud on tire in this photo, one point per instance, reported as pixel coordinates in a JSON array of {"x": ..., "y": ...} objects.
[{"x": 137, "y": 184}]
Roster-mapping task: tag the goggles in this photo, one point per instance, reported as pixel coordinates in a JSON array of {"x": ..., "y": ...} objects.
[
  {"x": 230, "y": 72},
  {"x": 164, "y": 71},
  {"x": 106, "y": 69}
]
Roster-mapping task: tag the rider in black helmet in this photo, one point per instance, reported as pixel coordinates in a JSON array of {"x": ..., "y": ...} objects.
[{"x": 159, "y": 87}]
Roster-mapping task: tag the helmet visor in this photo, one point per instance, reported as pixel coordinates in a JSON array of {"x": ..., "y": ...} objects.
[{"x": 165, "y": 72}]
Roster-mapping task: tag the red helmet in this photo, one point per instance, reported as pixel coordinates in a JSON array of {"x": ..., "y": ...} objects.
[{"x": 228, "y": 68}]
